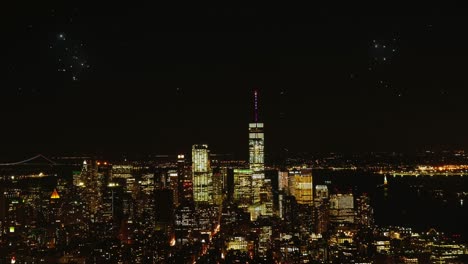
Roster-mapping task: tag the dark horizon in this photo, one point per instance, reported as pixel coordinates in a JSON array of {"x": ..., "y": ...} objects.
[{"x": 159, "y": 79}]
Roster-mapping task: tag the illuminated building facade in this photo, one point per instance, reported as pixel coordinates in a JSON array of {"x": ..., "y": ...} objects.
[
  {"x": 256, "y": 142},
  {"x": 243, "y": 187},
  {"x": 342, "y": 208},
  {"x": 259, "y": 209},
  {"x": 321, "y": 192},
  {"x": 10, "y": 214},
  {"x": 238, "y": 243},
  {"x": 112, "y": 205},
  {"x": 122, "y": 171},
  {"x": 184, "y": 223},
  {"x": 261, "y": 189},
  {"x": 322, "y": 216},
  {"x": 185, "y": 185},
  {"x": 256, "y": 147},
  {"x": 146, "y": 203},
  {"x": 201, "y": 171},
  {"x": 91, "y": 183},
  {"x": 303, "y": 187},
  {"x": 322, "y": 209},
  {"x": 283, "y": 180},
  {"x": 173, "y": 183},
  {"x": 219, "y": 176},
  {"x": 364, "y": 212}
]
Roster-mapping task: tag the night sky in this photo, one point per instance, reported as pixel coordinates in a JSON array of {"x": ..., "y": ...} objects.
[{"x": 157, "y": 79}]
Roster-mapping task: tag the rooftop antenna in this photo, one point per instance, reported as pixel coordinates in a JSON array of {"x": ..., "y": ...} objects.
[{"x": 256, "y": 105}]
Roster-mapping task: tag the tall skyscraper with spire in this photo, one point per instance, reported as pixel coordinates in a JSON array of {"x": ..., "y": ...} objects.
[
  {"x": 261, "y": 189},
  {"x": 256, "y": 141}
]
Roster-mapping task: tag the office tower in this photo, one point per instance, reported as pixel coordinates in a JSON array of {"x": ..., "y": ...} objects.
[
  {"x": 342, "y": 208},
  {"x": 262, "y": 200},
  {"x": 104, "y": 170},
  {"x": 161, "y": 178},
  {"x": 79, "y": 177},
  {"x": 292, "y": 175},
  {"x": 185, "y": 180},
  {"x": 55, "y": 219},
  {"x": 131, "y": 187},
  {"x": 10, "y": 214},
  {"x": 243, "y": 187},
  {"x": 263, "y": 231},
  {"x": 146, "y": 203},
  {"x": 229, "y": 184},
  {"x": 2, "y": 212},
  {"x": 322, "y": 216},
  {"x": 206, "y": 219},
  {"x": 321, "y": 192},
  {"x": 289, "y": 208},
  {"x": 364, "y": 212},
  {"x": 303, "y": 187},
  {"x": 164, "y": 209},
  {"x": 201, "y": 171},
  {"x": 112, "y": 205},
  {"x": 173, "y": 185},
  {"x": 256, "y": 142},
  {"x": 147, "y": 184},
  {"x": 238, "y": 243},
  {"x": 184, "y": 223},
  {"x": 260, "y": 209},
  {"x": 219, "y": 175},
  {"x": 122, "y": 171},
  {"x": 283, "y": 180},
  {"x": 91, "y": 183}
]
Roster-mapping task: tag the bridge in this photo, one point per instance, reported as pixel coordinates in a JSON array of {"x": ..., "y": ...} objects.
[{"x": 29, "y": 161}]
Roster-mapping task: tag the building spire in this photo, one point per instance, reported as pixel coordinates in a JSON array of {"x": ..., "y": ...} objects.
[
  {"x": 55, "y": 195},
  {"x": 256, "y": 105}
]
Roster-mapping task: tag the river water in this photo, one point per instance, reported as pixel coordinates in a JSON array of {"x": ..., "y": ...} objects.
[{"x": 417, "y": 202}]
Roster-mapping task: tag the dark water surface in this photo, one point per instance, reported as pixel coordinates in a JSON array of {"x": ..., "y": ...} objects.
[{"x": 417, "y": 202}]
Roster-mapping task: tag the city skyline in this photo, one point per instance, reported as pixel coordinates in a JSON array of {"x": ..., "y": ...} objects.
[
  {"x": 230, "y": 211},
  {"x": 190, "y": 133}
]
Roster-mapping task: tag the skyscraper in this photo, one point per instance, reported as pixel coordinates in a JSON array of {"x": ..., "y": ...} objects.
[
  {"x": 185, "y": 180},
  {"x": 201, "y": 170},
  {"x": 164, "y": 210},
  {"x": 283, "y": 180},
  {"x": 303, "y": 187},
  {"x": 243, "y": 187},
  {"x": 256, "y": 142},
  {"x": 112, "y": 204},
  {"x": 321, "y": 192},
  {"x": 218, "y": 184},
  {"x": 342, "y": 208},
  {"x": 261, "y": 190}
]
